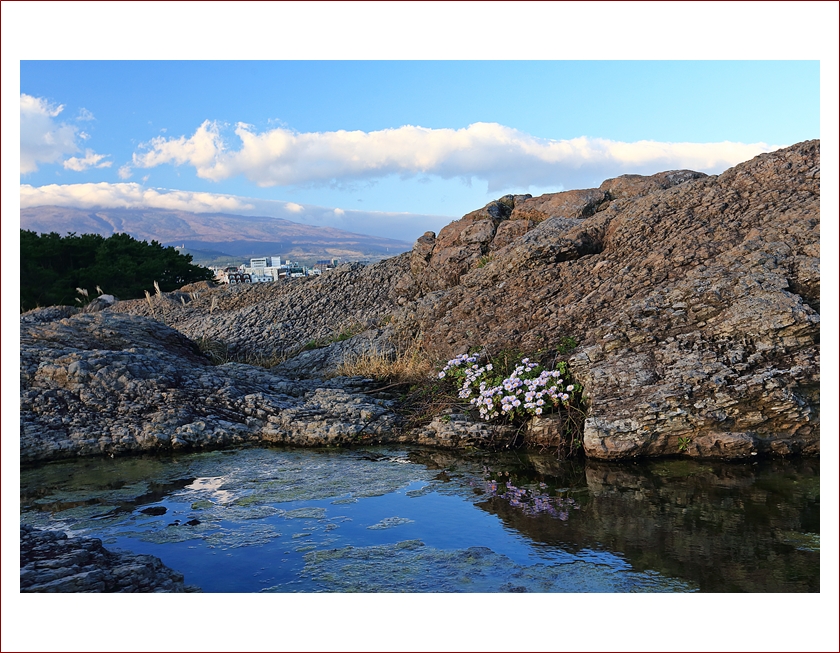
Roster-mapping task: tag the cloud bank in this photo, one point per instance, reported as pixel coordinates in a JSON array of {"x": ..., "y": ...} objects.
[
  {"x": 45, "y": 140},
  {"x": 127, "y": 196},
  {"x": 401, "y": 226},
  {"x": 501, "y": 156}
]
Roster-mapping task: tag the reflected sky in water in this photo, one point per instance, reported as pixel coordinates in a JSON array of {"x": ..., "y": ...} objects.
[{"x": 419, "y": 520}]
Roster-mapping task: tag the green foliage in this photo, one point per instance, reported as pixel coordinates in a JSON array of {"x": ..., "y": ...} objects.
[
  {"x": 566, "y": 345},
  {"x": 682, "y": 444},
  {"x": 52, "y": 267}
]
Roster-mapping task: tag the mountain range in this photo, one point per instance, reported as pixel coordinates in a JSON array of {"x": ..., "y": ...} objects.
[{"x": 209, "y": 236}]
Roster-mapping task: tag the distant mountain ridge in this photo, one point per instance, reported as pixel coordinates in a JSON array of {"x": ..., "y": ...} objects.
[{"x": 236, "y": 235}]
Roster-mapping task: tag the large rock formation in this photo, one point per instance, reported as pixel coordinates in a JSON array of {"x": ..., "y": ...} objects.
[
  {"x": 694, "y": 301},
  {"x": 696, "y": 308}
]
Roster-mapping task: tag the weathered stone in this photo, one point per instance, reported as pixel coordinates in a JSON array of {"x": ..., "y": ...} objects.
[
  {"x": 694, "y": 299},
  {"x": 110, "y": 383},
  {"x": 52, "y": 562}
]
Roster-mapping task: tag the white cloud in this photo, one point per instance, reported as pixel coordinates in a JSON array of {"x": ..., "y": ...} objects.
[
  {"x": 200, "y": 150},
  {"x": 127, "y": 196},
  {"x": 45, "y": 140},
  {"x": 402, "y": 226},
  {"x": 499, "y": 155},
  {"x": 91, "y": 160},
  {"x": 124, "y": 172},
  {"x": 42, "y": 139}
]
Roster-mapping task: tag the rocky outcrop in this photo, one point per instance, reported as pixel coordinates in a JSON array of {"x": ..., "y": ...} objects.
[
  {"x": 266, "y": 323},
  {"x": 109, "y": 383},
  {"x": 52, "y": 562},
  {"x": 694, "y": 301},
  {"x": 112, "y": 384},
  {"x": 696, "y": 307}
]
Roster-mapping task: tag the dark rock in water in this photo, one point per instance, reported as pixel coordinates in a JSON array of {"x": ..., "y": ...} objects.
[
  {"x": 154, "y": 510},
  {"x": 52, "y": 562},
  {"x": 192, "y": 522}
]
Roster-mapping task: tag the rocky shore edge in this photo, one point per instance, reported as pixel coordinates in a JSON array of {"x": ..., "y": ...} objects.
[{"x": 52, "y": 562}]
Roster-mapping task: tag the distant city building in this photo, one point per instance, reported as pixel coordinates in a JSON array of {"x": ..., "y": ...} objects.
[{"x": 258, "y": 270}]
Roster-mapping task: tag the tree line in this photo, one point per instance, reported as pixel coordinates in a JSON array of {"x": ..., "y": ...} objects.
[{"x": 52, "y": 267}]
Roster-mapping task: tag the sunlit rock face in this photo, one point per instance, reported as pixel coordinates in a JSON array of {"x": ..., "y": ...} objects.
[{"x": 694, "y": 300}]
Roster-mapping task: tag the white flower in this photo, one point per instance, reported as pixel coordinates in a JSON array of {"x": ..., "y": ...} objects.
[{"x": 569, "y": 388}]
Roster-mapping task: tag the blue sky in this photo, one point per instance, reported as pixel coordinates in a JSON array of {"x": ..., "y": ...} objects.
[{"x": 356, "y": 137}]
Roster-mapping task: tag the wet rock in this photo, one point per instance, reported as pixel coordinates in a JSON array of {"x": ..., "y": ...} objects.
[
  {"x": 154, "y": 510},
  {"x": 52, "y": 562}
]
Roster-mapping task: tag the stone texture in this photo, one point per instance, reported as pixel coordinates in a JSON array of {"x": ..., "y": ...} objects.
[
  {"x": 694, "y": 299},
  {"x": 458, "y": 431},
  {"x": 695, "y": 306},
  {"x": 52, "y": 562},
  {"x": 110, "y": 383},
  {"x": 265, "y": 323}
]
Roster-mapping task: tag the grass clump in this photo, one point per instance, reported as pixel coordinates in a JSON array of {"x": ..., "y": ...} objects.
[{"x": 410, "y": 365}]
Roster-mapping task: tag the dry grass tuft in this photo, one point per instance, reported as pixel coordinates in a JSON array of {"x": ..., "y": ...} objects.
[
  {"x": 411, "y": 365},
  {"x": 219, "y": 354}
]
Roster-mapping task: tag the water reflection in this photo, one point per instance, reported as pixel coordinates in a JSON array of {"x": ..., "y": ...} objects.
[{"x": 497, "y": 522}]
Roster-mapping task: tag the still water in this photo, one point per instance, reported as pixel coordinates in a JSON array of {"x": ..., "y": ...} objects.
[{"x": 404, "y": 519}]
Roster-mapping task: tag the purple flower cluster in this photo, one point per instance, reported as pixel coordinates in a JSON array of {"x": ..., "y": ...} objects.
[
  {"x": 531, "y": 502},
  {"x": 529, "y": 390},
  {"x": 457, "y": 362}
]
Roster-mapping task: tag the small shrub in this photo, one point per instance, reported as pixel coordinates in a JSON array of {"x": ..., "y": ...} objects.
[{"x": 566, "y": 345}]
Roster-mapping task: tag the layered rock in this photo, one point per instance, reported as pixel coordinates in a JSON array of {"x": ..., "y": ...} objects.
[
  {"x": 265, "y": 323},
  {"x": 696, "y": 307},
  {"x": 694, "y": 301},
  {"x": 52, "y": 562}
]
